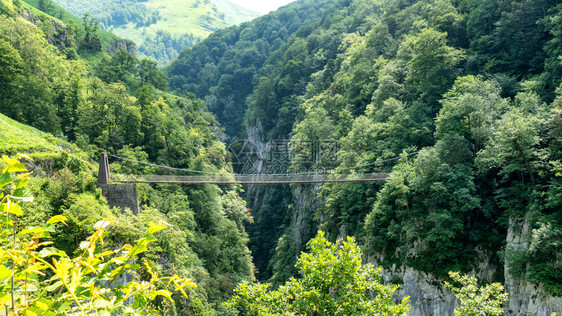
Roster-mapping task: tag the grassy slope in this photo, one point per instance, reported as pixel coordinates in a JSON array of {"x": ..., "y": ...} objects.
[
  {"x": 179, "y": 17},
  {"x": 234, "y": 14},
  {"x": 198, "y": 17},
  {"x": 16, "y": 137}
]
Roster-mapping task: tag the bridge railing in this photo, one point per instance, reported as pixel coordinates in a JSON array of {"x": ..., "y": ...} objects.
[{"x": 249, "y": 178}]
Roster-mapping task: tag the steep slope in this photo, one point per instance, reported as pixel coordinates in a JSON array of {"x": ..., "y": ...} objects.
[
  {"x": 160, "y": 28},
  {"x": 20, "y": 138},
  {"x": 469, "y": 88},
  {"x": 41, "y": 10},
  {"x": 84, "y": 115},
  {"x": 233, "y": 13},
  {"x": 222, "y": 68}
]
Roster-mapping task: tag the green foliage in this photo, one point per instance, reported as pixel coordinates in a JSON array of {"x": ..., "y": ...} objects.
[
  {"x": 77, "y": 285},
  {"x": 469, "y": 110},
  {"x": 11, "y": 66},
  {"x": 334, "y": 282},
  {"x": 472, "y": 85},
  {"x": 65, "y": 36},
  {"x": 124, "y": 67},
  {"x": 92, "y": 41},
  {"x": 507, "y": 37},
  {"x": 432, "y": 63},
  {"x": 385, "y": 77},
  {"x": 203, "y": 69},
  {"x": 39, "y": 67},
  {"x": 206, "y": 239},
  {"x": 160, "y": 28},
  {"x": 474, "y": 300}
]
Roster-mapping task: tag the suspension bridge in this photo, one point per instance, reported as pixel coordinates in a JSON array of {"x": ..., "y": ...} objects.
[
  {"x": 105, "y": 178},
  {"x": 120, "y": 190}
]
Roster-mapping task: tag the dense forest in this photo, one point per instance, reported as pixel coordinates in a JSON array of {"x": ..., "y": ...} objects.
[
  {"x": 95, "y": 102},
  {"x": 222, "y": 69},
  {"x": 473, "y": 86},
  {"x": 458, "y": 101}
]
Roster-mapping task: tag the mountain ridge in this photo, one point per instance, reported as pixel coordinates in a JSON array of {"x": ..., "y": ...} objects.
[{"x": 161, "y": 28}]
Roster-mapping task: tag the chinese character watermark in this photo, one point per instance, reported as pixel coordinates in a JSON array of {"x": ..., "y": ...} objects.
[{"x": 283, "y": 156}]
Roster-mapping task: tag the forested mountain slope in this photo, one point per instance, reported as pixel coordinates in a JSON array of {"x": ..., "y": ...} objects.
[
  {"x": 223, "y": 67},
  {"x": 472, "y": 85},
  {"x": 112, "y": 104},
  {"x": 161, "y": 28}
]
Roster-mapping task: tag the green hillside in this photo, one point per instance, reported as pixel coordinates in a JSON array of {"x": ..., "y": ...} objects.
[
  {"x": 63, "y": 111},
  {"x": 58, "y": 13},
  {"x": 233, "y": 13},
  {"x": 161, "y": 28},
  {"x": 223, "y": 67},
  {"x": 471, "y": 89},
  {"x": 20, "y": 138}
]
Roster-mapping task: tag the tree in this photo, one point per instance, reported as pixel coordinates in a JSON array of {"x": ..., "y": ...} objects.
[
  {"x": 45, "y": 5},
  {"x": 92, "y": 41},
  {"x": 515, "y": 147},
  {"x": 474, "y": 300},
  {"x": 79, "y": 285},
  {"x": 470, "y": 109},
  {"x": 433, "y": 64},
  {"x": 150, "y": 74},
  {"x": 11, "y": 69},
  {"x": 334, "y": 282},
  {"x": 121, "y": 67}
]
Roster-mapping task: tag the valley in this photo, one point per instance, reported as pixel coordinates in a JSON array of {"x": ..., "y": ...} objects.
[
  {"x": 161, "y": 28},
  {"x": 457, "y": 104}
]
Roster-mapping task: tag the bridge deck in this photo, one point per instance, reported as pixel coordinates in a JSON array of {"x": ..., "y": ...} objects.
[{"x": 250, "y": 178}]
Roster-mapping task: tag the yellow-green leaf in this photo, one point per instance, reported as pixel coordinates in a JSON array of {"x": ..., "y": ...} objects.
[
  {"x": 12, "y": 209},
  {"x": 164, "y": 293},
  {"x": 57, "y": 219},
  {"x": 153, "y": 228},
  {"x": 23, "y": 194},
  {"x": 23, "y": 180},
  {"x": 33, "y": 230},
  {"x": 51, "y": 251},
  {"x": 43, "y": 304},
  {"x": 4, "y": 298},
  {"x": 54, "y": 286},
  {"x": 16, "y": 167},
  {"x": 103, "y": 223},
  {"x": 4, "y": 272},
  {"x": 153, "y": 275},
  {"x": 5, "y": 179},
  {"x": 100, "y": 303}
]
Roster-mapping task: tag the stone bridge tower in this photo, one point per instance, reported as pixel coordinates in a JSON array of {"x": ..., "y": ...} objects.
[{"x": 122, "y": 195}]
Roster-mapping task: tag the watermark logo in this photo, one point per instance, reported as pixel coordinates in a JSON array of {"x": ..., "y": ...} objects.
[{"x": 284, "y": 156}]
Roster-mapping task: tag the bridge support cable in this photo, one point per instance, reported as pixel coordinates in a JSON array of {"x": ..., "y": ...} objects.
[
  {"x": 251, "y": 178},
  {"x": 205, "y": 177}
]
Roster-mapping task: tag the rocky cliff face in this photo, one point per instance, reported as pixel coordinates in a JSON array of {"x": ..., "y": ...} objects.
[
  {"x": 305, "y": 199},
  {"x": 428, "y": 295},
  {"x": 525, "y": 298},
  {"x": 59, "y": 35},
  {"x": 303, "y": 226},
  {"x": 55, "y": 31},
  {"x": 116, "y": 45},
  {"x": 256, "y": 147}
]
